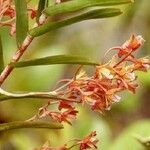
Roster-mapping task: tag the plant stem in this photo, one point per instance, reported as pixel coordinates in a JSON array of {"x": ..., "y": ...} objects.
[
  {"x": 27, "y": 124},
  {"x": 43, "y": 95},
  {"x": 8, "y": 69},
  {"x": 123, "y": 59},
  {"x": 1, "y": 55},
  {"x": 73, "y": 146}
]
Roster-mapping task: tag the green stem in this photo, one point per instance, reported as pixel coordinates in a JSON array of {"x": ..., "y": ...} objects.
[
  {"x": 26, "y": 124},
  {"x": 1, "y": 55},
  {"x": 40, "y": 95},
  {"x": 5, "y": 97},
  {"x": 73, "y": 146}
]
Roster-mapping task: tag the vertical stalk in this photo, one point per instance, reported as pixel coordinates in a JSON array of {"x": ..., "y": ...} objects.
[{"x": 8, "y": 69}]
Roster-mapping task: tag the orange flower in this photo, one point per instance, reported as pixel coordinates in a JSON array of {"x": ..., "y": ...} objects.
[
  {"x": 89, "y": 142},
  {"x": 134, "y": 42},
  {"x": 65, "y": 105},
  {"x": 68, "y": 115},
  {"x": 131, "y": 45},
  {"x": 142, "y": 64},
  {"x": 47, "y": 146},
  {"x": 101, "y": 90},
  {"x": 65, "y": 116}
]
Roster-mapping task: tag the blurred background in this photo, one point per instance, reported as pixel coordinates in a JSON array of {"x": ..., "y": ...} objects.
[{"x": 116, "y": 128}]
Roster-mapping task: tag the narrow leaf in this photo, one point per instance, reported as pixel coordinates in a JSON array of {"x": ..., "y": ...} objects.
[
  {"x": 1, "y": 56},
  {"x": 27, "y": 124},
  {"x": 21, "y": 20},
  {"x": 41, "y": 6},
  {"x": 84, "y": 15},
  {"x": 58, "y": 59},
  {"x": 76, "y": 5}
]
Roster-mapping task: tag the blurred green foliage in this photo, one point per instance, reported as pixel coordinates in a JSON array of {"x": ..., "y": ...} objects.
[{"x": 117, "y": 127}]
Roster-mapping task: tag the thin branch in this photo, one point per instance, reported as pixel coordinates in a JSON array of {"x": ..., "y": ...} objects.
[
  {"x": 73, "y": 146},
  {"x": 8, "y": 69},
  {"x": 29, "y": 124},
  {"x": 40, "y": 95},
  {"x": 1, "y": 55}
]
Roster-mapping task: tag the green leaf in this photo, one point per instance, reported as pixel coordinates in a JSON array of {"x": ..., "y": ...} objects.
[
  {"x": 41, "y": 6},
  {"x": 21, "y": 20},
  {"x": 1, "y": 56},
  {"x": 95, "y": 13},
  {"x": 58, "y": 59},
  {"x": 29, "y": 124},
  {"x": 76, "y": 5}
]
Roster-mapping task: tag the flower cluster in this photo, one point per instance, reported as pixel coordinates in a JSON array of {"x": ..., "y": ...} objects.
[
  {"x": 66, "y": 113},
  {"x": 7, "y": 10},
  {"x": 100, "y": 90},
  {"x": 88, "y": 142}
]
